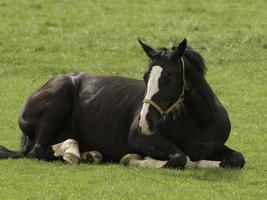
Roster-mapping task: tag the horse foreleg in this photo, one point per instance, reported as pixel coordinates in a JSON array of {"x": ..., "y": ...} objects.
[
  {"x": 158, "y": 147},
  {"x": 202, "y": 164},
  {"x": 136, "y": 160},
  {"x": 229, "y": 158},
  {"x": 213, "y": 155}
]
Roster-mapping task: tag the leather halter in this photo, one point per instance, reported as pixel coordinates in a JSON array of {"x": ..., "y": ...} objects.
[{"x": 176, "y": 105}]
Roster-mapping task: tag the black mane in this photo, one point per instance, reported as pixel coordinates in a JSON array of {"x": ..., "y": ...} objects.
[{"x": 196, "y": 59}]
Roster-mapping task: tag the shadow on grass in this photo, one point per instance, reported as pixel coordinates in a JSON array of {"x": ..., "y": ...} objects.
[{"x": 209, "y": 175}]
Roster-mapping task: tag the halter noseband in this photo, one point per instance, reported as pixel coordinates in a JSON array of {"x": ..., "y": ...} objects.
[{"x": 176, "y": 105}]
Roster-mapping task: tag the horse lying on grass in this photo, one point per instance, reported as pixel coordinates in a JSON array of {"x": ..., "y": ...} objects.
[{"x": 171, "y": 119}]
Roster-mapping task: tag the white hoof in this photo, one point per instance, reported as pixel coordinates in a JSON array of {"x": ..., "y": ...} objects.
[{"x": 92, "y": 157}]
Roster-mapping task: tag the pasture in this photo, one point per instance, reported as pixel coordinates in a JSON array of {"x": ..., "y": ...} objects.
[{"x": 39, "y": 39}]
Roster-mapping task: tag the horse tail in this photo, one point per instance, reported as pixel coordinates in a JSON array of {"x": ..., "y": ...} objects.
[
  {"x": 25, "y": 147},
  {"x": 6, "y": 153}
]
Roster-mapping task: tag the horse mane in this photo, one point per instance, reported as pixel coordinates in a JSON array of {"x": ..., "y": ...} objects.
[{"x": 196, "y": 59}]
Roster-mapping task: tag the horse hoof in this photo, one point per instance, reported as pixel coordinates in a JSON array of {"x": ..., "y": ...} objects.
[
  {"x": 176, "y": 161},
  {"x": 235, "y": 161},
  {"x": 71, "y": 158},
  {"x": 126, "y": 159},
  {"x": 92, "y": 157}
]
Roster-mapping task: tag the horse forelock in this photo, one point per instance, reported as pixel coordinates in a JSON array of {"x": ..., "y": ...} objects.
[{"x": 192, "y": 55}]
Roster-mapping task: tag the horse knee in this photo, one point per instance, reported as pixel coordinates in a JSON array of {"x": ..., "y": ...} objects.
[
  {"x": 177, "y": 161},
  {"x": 236, "y": 160}
]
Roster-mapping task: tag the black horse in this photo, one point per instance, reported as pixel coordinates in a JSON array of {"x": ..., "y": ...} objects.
[{"x": 173, "y": 116}]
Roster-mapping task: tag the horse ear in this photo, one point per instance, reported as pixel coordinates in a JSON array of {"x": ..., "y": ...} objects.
[
  {"x": 179, "y": 51},
  {"x": 149, "y": 51}
]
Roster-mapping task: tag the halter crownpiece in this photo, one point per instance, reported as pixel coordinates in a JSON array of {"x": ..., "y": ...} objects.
[{"x": 176, "y": 105}]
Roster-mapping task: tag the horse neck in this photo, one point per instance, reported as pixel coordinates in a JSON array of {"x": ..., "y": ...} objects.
[{"x": 200, "y": 102}]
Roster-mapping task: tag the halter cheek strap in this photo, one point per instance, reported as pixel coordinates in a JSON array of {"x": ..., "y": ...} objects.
[{"x": 176, "y": 105}]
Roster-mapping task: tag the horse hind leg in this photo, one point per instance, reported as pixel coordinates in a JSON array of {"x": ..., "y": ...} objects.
[
  {"x": 48, "y": 110},
  {"x": 68, "y": 150},
  {"x": 92, "y": 157}
]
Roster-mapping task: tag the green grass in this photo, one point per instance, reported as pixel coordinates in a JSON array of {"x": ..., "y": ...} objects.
[{"x": 41, "y": 38}]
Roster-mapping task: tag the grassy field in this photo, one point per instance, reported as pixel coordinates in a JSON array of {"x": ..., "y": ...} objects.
[{"x": 41, "y": 38}]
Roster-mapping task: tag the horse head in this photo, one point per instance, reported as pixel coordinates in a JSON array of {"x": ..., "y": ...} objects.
[{"x": 165, "y": 85}]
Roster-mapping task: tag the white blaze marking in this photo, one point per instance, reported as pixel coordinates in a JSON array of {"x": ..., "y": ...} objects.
[{"x": 152, "y": 88}]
